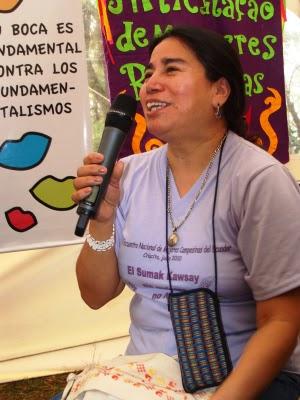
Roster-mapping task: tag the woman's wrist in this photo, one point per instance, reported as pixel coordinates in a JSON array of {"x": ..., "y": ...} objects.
[
  {"x": 101, "y": 245},
  {"x": 101, "y": 231}
]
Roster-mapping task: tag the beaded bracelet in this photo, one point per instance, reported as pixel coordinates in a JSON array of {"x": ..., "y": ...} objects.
[{"x": 101, "y": 245}]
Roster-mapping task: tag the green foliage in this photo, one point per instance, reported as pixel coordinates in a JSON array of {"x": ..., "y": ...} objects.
[
  {"x": 98, "y": 87},
  {"x": 291, "y": 48}
]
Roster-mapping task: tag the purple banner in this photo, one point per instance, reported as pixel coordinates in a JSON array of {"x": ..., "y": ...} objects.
[{"x": 254, "y": 28}]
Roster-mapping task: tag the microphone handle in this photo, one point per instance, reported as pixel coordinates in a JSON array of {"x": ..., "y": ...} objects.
[{"x": 110, "y": 146}]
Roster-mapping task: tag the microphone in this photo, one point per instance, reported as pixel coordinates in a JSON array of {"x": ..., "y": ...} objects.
[{"x": 117, "y": 125}]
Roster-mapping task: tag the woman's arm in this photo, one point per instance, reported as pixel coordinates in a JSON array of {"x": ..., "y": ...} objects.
[
  {"x": 278, "y": 322},
  {"x": 97, "y": 271}
]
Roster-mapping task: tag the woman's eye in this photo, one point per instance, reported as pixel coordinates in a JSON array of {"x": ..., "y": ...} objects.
[
  {"x": 171, "y": 69},
  {"x": 147, "y": 75}
]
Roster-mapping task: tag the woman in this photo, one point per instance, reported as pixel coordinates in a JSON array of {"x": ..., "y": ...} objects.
[{"x": 193, "y": 100}]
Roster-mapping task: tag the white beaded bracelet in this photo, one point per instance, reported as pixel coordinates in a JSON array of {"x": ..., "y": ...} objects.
[{"x": 101, "y": 245}]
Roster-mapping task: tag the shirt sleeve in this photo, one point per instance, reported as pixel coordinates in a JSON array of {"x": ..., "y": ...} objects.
[
  {"x": 122, "y": 206},
  {"x": 269, "y": 232}
]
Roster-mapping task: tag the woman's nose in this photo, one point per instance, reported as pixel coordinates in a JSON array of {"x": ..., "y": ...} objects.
[{"x": 154, "y": 83}]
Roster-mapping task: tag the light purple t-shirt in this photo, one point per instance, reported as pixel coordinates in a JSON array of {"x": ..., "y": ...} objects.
[{"x": 257, "y": 224}]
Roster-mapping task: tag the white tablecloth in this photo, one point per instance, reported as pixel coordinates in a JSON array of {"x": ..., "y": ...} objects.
[{"x": 147, "y": 377}]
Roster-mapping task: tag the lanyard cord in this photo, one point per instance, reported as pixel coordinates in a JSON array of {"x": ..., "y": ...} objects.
[
  {"x": 167, "y": 234},
  {"x": 213, "y": 224},
  {"x": 213, "y": 217}
]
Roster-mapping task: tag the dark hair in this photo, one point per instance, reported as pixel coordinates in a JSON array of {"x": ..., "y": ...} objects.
[{"x": 219, "y": 59}]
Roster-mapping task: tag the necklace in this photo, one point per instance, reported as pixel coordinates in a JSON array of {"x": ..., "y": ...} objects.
[{"x": 174, "y": 238}]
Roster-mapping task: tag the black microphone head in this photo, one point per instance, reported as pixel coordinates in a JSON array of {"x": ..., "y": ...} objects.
[{"x": 121, "y": 112}]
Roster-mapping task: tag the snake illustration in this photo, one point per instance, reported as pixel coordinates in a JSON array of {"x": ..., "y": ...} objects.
[
  {"x": 274, "y": 102},
  {"x": 139, "y": 133}
]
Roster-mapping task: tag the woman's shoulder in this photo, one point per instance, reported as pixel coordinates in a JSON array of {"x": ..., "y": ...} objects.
[
  {"x": 145, "y": 157},
  {"x": 138, "y": 166},
  {"x": 248, "y": 148},
  {"x": 249, "y": 166},
  {"x": 249, "y": 159}
]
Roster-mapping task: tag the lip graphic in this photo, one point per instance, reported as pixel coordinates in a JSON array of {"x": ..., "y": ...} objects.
[
  {"x": 25, "y": 153},
  {"x": 54, "y": 193},
  {"x": 7, "y": 6},
  {"x": 20, "y": 220}
]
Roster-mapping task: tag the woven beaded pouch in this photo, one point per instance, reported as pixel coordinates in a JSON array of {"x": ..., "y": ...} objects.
[{"x": 201, "y": 343}]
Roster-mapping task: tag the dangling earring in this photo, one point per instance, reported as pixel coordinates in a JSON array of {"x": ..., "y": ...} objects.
[{"x": 218, "y": 112}]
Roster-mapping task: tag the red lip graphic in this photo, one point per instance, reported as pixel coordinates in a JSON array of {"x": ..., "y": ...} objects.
[{"x": 19, "y": 220}]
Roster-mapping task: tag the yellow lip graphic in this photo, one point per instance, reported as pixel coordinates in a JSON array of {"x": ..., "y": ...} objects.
[
  {"x": 7, "y": 6},
  {"x": 54, "y": 193}
]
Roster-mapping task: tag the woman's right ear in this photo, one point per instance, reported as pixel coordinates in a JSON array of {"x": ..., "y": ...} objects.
[{"x": 222, "y": 92}]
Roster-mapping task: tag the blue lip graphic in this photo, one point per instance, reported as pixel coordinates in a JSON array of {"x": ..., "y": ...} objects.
[{"x": 25, "y": 153}]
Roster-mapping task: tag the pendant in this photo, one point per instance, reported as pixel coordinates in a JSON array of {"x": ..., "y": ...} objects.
[{"x": 173, "y": 239}]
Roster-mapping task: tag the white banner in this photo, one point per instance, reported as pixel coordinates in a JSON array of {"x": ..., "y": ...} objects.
[{"x": 44, "y": 120}]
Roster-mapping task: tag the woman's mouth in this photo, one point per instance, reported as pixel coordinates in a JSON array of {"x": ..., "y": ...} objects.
[{"x": 156, "y": 105}]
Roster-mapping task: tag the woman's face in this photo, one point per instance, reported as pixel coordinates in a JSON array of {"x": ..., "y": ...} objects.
[{"x": 176, "y": 97}]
